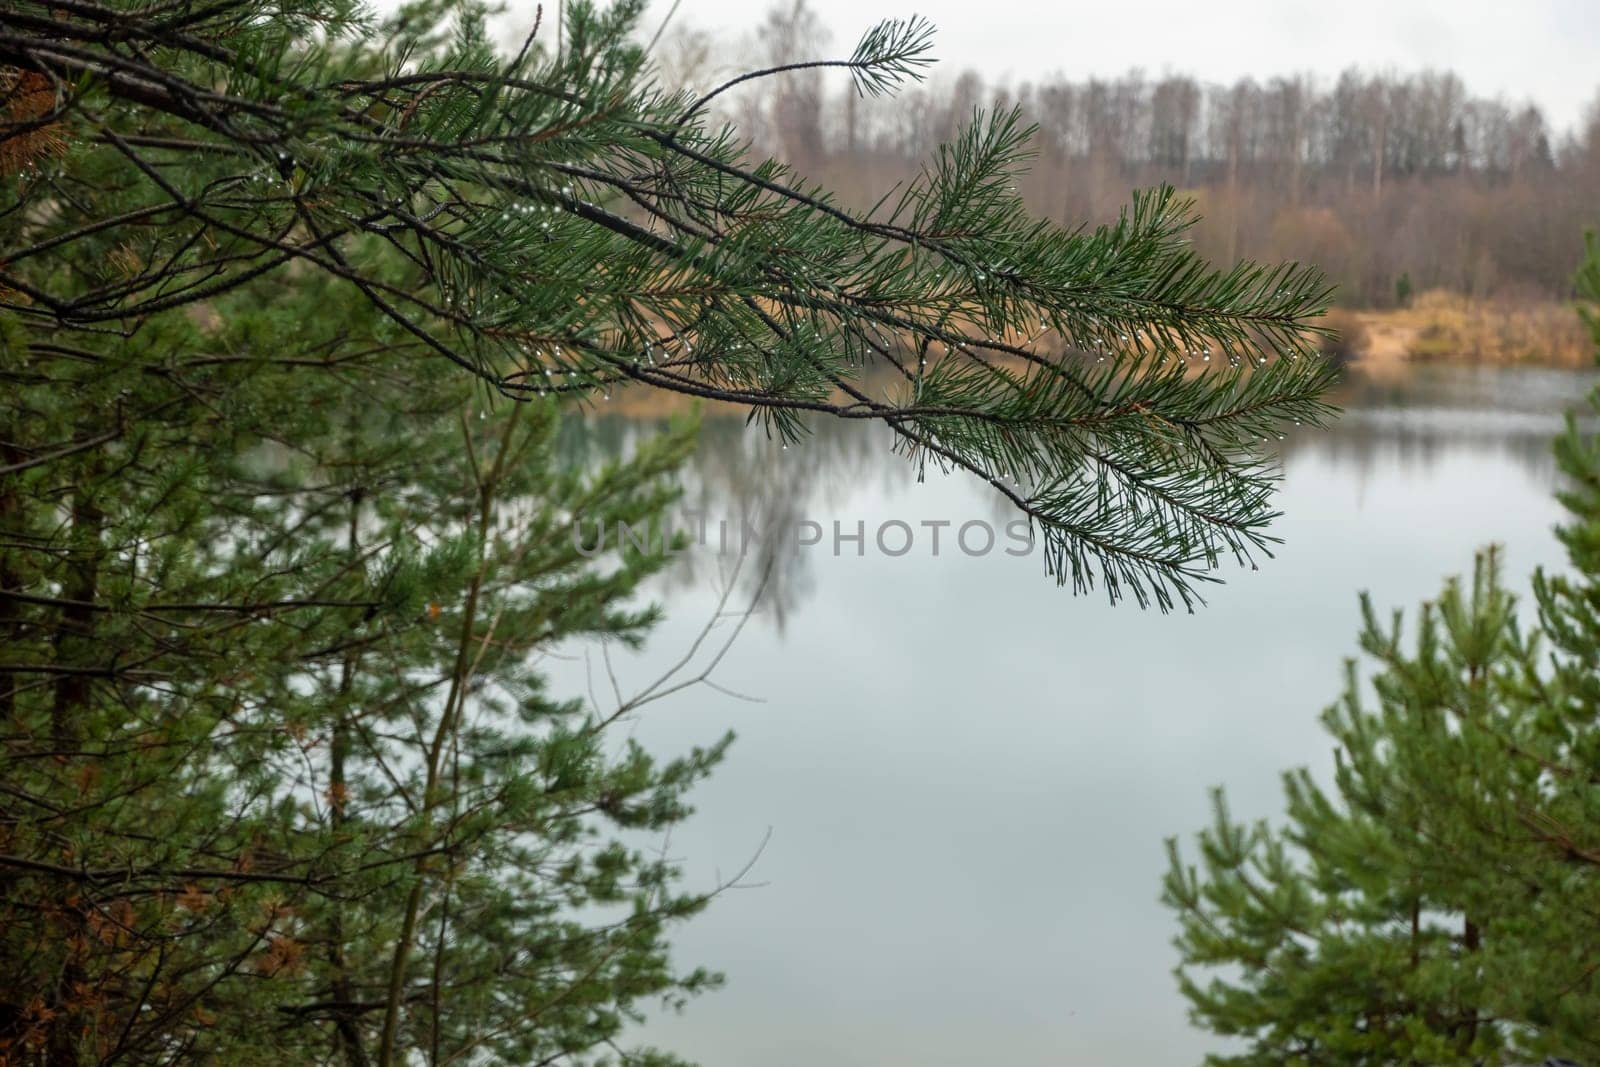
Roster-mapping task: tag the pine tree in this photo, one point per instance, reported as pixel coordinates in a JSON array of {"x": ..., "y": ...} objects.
[
  {"x": 282, "y": 779},
  {"x": 1438, "y": 904},
  {"x": 572, "y": 228}
]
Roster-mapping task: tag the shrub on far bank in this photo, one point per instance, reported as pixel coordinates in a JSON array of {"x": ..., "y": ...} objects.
[
  {"x": 1349, "y": 341},
  {"x": 1446, "y": 327},
  {"x": 1453, "y": 328}
]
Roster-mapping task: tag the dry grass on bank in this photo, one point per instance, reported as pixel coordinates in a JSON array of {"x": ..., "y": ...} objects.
[{"x": 1441, "y": 327}]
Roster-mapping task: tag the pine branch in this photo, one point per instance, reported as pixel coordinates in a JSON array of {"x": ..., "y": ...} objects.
[{"x": 569, "y": 228}]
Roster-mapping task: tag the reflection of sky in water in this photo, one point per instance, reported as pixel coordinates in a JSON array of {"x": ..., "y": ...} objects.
[{"x": 968, "y": 773}]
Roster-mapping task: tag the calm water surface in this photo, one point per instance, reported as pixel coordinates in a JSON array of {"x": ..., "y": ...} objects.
[{"x": 967, "y": 773}]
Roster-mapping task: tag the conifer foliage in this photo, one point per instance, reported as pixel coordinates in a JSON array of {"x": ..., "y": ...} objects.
[
  {"x": 572, "y": 228},
  {"x": 282, "y": 779},
  {"x": 290, "y": 299},
  {"x": 1438, "y": 903}
]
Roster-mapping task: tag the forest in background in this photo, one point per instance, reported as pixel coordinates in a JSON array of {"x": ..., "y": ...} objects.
[{"x": 1393, "y": 183}]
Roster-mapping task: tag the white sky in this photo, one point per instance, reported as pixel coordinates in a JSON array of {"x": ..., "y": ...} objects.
[{"x": 1544, "y": 50}]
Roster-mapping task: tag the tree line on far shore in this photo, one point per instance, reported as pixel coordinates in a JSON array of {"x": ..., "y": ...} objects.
[{"x": 1393, "y": 183}]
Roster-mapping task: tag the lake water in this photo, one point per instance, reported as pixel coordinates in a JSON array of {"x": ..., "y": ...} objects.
[{"x": 964, "y": 774}]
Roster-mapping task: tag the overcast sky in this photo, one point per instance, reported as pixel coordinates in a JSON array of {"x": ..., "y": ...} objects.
[{"x": 1544, "y": 50}]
